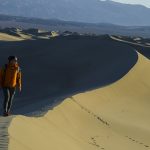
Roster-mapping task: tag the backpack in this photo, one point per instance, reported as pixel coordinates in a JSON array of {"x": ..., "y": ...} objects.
[{"x": 4, "y": 72}]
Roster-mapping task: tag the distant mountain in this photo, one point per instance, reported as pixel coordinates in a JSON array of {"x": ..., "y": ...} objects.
[
  {"x": 93, "y": 11},
  {"x": 7, "y": 21}
]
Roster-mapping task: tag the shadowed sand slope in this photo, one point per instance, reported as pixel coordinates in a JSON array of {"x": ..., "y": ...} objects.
[
  {"x": 55, "y": 68},
  {"x": 115, "y": 117},
  {"x": 141, "y": 47}
]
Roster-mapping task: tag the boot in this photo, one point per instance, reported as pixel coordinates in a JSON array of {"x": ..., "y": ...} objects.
[{"x": 5, "y": 114}]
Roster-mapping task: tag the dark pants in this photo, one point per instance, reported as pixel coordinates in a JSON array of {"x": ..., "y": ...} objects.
[{"x": 8, "y": 97}]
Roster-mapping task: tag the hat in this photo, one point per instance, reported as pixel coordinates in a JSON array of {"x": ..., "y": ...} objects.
[{"x": 12, "y": 57}]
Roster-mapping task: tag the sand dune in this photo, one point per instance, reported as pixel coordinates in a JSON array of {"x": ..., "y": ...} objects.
[
  {"x": 16, "y": 34},
  {"x": 140, "y": 45},
  {"x": 7, "y": 37},
  {"x": 112, "y": 117},
  {"x": 129, "y": 42},
  {"x": 65, "y": 65},
  {"x": 125, "y": 104},
  {"x": 97, "y": 90}
]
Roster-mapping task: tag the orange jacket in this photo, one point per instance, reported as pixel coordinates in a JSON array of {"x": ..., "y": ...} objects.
[{"x": 11, "y": 76}]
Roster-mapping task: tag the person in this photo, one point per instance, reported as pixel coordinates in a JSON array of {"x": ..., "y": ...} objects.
[{"x": 10, "y": 78}]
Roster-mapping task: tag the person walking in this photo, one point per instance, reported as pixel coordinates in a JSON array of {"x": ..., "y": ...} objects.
[{"x": 10, "y": 78}]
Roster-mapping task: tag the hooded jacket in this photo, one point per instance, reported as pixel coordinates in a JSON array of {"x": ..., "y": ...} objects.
[{"x": 10, "y": 75}]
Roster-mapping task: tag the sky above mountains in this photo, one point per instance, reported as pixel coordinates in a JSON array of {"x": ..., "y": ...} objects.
[{"x": 142, "y": 2}]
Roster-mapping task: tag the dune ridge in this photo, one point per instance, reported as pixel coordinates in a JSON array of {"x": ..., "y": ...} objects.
[
  {"x": 7, "y": 37},
  {"x": 112, "y": 117}
]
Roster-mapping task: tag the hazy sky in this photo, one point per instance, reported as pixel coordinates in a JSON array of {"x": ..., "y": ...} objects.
[{"x": 143, "y": 2}]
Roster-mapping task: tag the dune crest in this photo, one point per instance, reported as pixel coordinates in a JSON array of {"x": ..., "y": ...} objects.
[{"x": 112, "y": 117}]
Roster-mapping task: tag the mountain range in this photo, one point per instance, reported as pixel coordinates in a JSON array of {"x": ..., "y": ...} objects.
[{"x": 90, "y": 11}]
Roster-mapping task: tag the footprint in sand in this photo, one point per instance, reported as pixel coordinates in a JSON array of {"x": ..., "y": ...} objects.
[
  {"x": 94, "y": 143},
  {"x": 90, "y": 112},
  {"x": 146, "y": 145},
  {"x": 136, "y": 141},
  {"x": 140, "y": 143}
]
